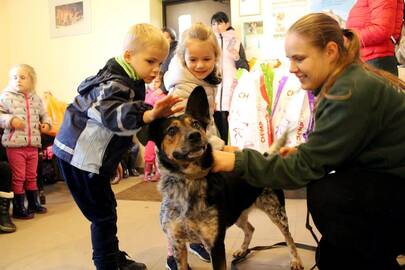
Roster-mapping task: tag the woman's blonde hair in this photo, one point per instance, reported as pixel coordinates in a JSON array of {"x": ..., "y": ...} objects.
[
  {"x": 143, "y": 35},
  {"x": 31, "y": 72},
  {"x": 319, "y": 29},
  {"x": 202, "y": 32}
]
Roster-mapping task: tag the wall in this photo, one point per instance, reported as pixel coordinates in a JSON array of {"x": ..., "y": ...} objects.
[
  {"x": 62, "y": 63},
  {"x": 200, "y": 11},
  {"x": 4, "y": 45}
]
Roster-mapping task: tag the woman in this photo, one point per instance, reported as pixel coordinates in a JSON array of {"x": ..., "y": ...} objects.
[
  {"x": 378, "y": 24},
  {"x": 353, "y": 163}
]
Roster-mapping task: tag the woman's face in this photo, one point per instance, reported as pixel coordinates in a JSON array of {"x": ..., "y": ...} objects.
[
  {"x": 200, "y": 58},
  {"x": 219, "y": 27},
  {"x": 311, "y": 65}
]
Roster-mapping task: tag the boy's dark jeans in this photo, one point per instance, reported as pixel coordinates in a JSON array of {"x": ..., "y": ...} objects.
[
  {"x": 361, "y": 216},
  {"x": 95, "y": 198}
]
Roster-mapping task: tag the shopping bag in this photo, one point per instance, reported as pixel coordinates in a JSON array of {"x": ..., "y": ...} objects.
[{"x": 56, "y": 110}]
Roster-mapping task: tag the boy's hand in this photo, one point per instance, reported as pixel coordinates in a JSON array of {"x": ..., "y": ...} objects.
[
  {"x": 17, "y": 123},
  {"x": 162, "y": 108},
  {"x": 44, "y": 127},
  {"x": 223, "y": 161}
]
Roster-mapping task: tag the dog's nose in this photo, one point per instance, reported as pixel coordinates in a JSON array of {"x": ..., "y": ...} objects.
[{"x": 194, "y": 136}]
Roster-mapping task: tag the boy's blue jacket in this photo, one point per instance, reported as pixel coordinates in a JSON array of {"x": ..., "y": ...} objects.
[{"x": 98, "y": 126}]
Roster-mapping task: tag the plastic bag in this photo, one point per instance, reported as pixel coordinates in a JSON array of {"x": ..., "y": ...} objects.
[
  {"x": 249, "y": 114},
  {"x": 56, "y": 110}
]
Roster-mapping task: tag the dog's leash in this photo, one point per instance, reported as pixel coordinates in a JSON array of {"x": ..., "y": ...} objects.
[{"x": 243, "y": 257}]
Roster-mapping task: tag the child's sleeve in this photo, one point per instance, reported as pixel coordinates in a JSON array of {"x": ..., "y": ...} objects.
[{"x": 5, "y": 116}]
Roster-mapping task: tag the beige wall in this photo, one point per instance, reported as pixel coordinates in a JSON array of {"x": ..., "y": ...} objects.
[{"x": 62, "y": 63}]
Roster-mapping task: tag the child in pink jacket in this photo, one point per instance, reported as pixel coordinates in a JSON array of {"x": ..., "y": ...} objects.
[{"x": 153, "y": 94}]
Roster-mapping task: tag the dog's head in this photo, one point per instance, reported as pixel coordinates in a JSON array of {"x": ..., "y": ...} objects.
[{"x": 182, "y": 141}]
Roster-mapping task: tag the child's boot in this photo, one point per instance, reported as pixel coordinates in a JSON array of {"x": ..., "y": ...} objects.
[
  {"x": 148, "y": 171},
  {"x": 19, "y": 210},
  {"x": 34, "y": 206},
  {"x": 6, "y": 224}
]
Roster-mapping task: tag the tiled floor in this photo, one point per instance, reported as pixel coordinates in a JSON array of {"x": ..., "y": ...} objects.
[{"x": 60, "y": 239}]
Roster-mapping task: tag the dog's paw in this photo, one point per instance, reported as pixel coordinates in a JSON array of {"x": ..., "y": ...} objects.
[
  {"x": 296, "y": 264},
  {"x": 239, "y": 253}
]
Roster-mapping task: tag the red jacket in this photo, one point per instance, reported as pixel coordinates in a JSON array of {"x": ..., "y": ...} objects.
[{"x": 375, "y": 21}]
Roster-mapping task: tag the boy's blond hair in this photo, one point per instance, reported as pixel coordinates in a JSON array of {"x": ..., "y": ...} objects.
[
  {"x": 31, "y": 72},
  {"x": 202, "y": 32},
  {"x": 143, "y": 35}
]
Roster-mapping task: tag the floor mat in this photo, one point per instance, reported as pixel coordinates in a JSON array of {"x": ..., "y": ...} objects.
[{"x": 143, "y": 191}]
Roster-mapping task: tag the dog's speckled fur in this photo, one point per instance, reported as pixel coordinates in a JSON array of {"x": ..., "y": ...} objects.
[{"x": 199, "y": 206}]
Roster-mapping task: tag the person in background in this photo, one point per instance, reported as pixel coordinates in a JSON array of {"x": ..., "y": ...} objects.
[
  {"x": 378, "y": 24},
  {"x": 6, "y": 194},
  {"x": 195, "y": 64},
  {"x": 98, "y": 128},
  {"x": 232, "y": 57},
  {"x": 153, "y": 94},
  {"x": 24, "y": 118},
  {"x": 353, "y": 163},
  {"x": 171, "y": 36}
]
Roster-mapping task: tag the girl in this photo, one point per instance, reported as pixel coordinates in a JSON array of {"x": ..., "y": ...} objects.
[
  {"x": 353, "y": 163},
  {"x": 195, "y": 63},
  {"x": 153, "y": 94},
  {"x": 23, "y": 117}
]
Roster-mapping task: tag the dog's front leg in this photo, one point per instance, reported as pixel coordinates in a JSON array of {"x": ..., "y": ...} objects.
[
  {"x": 180, "y": 254},
  {"x": 218, "y": 256}
]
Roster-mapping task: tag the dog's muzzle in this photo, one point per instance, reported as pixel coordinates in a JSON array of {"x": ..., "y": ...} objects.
[{"x": 194, "y": 150}]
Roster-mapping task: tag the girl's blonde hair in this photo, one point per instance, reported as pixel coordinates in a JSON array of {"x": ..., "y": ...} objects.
[
  {"x": 319, "y": 29},
  {"x": 143, "y": 35},
  {"x": 31, "y": 72},
  {"x": 201, "y": 32}
]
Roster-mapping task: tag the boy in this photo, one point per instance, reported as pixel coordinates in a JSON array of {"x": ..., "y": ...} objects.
[{"x": 97, "y": 130}]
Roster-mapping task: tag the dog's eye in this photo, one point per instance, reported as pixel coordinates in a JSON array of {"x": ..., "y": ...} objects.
[
  {"x": 171, "y": 131},
  {"x": 196, "y": 124}
]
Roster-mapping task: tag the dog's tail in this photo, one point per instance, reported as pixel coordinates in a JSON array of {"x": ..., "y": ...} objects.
[{"x": 277, "y": 144}]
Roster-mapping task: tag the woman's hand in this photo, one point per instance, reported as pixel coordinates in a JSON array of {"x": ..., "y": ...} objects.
[
  {"x": 230, "y": 148},
  {"x": 17, "y": 123},
  {"x": 223, "y": 161},
  {"x": 163, "y": 108},
  {"x": 285, "y": 151}
]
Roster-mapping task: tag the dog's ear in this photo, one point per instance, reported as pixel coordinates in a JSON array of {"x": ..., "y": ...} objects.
[
  {"x": 151, "y": 132},
  {"x": 197, "y": 105}
]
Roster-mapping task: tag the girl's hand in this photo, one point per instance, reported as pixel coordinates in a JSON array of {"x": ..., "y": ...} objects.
[
  {"x": 44, "y": 127},
  {"x": 163, "y": 108},
  {"x": 223, "y": 161},
  {"x": 17, "y": 123},
  {"x": 119, "y": 174},
  {"x": 285, "y": 151}
]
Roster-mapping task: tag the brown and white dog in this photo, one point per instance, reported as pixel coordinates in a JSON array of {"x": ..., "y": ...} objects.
[{"x": 198, "y": 206}]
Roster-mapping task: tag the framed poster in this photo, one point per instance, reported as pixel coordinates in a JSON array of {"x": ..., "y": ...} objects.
[{"x": 69, "y": 17}]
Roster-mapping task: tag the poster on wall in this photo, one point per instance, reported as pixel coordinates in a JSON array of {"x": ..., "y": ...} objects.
[
  {"x": 339, "y": 9},
  {"x": 69, "y": 17},
  {"x": 285, "y": 13},
  {"x": 253, "y": 34}
]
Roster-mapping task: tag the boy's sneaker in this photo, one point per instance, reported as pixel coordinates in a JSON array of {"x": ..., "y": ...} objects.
[
  {"x": 172, "y": 265},
  {"x": 199, "y": 250},
  {"x": 126, "y": 264}
]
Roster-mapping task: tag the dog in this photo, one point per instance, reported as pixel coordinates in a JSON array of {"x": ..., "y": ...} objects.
[{"x": 198, "y": 206}]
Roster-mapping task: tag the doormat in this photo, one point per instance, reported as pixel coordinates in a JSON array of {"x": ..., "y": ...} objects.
[{"x": 143, "y": 191}]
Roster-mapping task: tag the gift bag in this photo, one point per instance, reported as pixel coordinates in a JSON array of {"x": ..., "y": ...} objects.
[
  {"x": 56, "y": 110},
  {"x": 249, "y": 114},
  {"x": 292, "y": 110}
]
